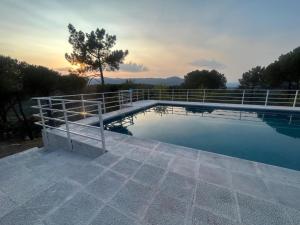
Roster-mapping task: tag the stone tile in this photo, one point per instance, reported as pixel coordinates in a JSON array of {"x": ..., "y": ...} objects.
[
  {"x": 149, "y": 175},
  {"x": 66, "y": 170},
  {"x": 276, "y": 173},
  {"x": 6, "y": 204},
  {"x": 219, "y": 200},
  {"x": 122, "y": 149},
  {"x": 294, "y": 215},
  {"x": 165, "y": 210},
  {"x": 133, "y": 198},
  {"x": 107, "y": 159},
  {"x": 21, "y": 216},
  {"x": 87, "y": 173},
  {"x": 105, "y": 186},
  {"x": 259, "y": 212},
  {"x": 159, "y": 159},
  {"x": 77, "y": 210},
  {"x": 139, "y": 154},
  {"x": 110, "y": 216},
  {"x": 184, "y": 166},
  {"x": 286, "y": 194},
  {"x": 52, "y": 197},
  {"x": 23, "y": 188},
  {"x": 251, "y": 185},
  {"x": 215, "y": 175},
  {"x": 127, "y": 166},
  {"x": 178, "y": 150},
  {"x": 146, "y": 143},
  {"x": 213, "y": 159},
  {"x": 178, "y": 186},
  {"x": 242, "y": 166},
  {"x": 203, "y": 217}
]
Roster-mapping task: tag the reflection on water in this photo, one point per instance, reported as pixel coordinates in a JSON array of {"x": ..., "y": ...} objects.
[{"x": 266, "y": 136}]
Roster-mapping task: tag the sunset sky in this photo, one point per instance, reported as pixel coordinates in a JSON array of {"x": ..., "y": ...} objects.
[{"x": 164, "y": 38}]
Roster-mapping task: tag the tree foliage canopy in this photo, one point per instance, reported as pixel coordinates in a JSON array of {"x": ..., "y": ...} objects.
[
  {"x": 93, "y": 51},
  {"x": 283, "y": 73},
  {"x": 19, "y": 82},
  {"x": 254, "y": 78},
  {"x": 204, "y": 79}
]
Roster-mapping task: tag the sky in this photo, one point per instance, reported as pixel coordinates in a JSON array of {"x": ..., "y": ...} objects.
[{"x": 164, "y": 38}]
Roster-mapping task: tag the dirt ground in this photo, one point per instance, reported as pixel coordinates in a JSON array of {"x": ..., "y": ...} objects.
[{"x": 12, "y": 147}]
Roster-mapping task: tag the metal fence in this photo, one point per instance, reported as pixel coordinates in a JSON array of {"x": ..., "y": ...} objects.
[
  {"x": 65, "y": 112},
  {"x": 229, "y": 96},
  {"x": 64, "y": 115}
]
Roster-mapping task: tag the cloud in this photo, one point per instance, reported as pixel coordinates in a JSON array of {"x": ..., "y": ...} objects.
[
  {"x": 133, "y": 67},
  {"x": 208, "y": 63}
]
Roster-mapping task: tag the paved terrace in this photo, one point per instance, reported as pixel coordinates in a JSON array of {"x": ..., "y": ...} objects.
[{"x": 144, "y": 182}]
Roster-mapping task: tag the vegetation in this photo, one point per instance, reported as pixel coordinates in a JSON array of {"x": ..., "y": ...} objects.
[
  {"x": 204, "y": 79},
  {"x": 19, "y": 82},
  {"x": 93, "y": 51},
  {"x": 284, "y": 73}
]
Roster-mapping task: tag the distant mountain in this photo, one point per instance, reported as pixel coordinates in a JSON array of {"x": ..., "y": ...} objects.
[
  {"x": 169, "y": 81},
  {"x": 232, "y": 84}
]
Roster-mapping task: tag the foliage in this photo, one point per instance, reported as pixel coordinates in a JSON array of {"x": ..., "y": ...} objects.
[
  {"x": 283, "y": 73},
  {"x": 204, "y": 79},
  {"x": 19, "y": 82},
  {"x": 253, "y": 78},
  {"x": 93, "y": 51}
]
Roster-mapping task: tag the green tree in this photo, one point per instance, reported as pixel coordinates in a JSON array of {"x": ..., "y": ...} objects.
[
  {"x": 93, "y": 51},
  {"x": 204, "y": 79},
  {"x": 254, "y": 78},
  {"x": 39, "y": 80}
]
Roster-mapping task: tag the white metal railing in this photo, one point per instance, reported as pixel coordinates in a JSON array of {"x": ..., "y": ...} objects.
[
  {"x": 65, "y": 114},
  {"x": 230, "y": 96}
]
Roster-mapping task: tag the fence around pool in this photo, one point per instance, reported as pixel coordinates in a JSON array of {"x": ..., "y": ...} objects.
[{"x": 63, "y": 113}]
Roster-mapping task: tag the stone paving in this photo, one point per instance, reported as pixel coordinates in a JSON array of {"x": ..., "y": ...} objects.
[{"x": 145, "y": 182}]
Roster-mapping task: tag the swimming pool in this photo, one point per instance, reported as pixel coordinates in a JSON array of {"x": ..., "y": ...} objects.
[{"x": 271, "y": 137}]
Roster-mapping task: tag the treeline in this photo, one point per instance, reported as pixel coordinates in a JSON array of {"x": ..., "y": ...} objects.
[
  {"x": 19, "y": 81},
  {"x": 284, "y": 73}
]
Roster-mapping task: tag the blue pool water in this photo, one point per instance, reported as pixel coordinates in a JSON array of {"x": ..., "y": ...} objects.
[{"x": 270, "y": 137}]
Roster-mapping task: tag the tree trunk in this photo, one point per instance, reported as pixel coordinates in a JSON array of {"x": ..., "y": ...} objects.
[
  {"x": 27, "y": 127},
  {"x": 101, "y": 74}
]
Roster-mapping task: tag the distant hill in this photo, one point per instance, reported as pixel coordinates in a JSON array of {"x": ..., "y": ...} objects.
[
  {"x": 232, "y": 84},
  {"x": 169, "y": 81}
]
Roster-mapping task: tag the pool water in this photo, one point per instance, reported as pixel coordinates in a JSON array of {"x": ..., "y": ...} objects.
[{"x": 271, "y": 137}]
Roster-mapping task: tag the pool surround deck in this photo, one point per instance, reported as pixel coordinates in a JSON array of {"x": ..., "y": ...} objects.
[{"x": 143, "y": 182}]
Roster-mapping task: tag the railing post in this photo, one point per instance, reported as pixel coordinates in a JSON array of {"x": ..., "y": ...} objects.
[
  {"x": 130, "y": 96},
  {"x": 119, "y": 92},
  {"x": 41, "y": 113},
  {"x": 67, "y": 124},
  {"x": 148, "y": 94},
  {"x": 243, "y": 97},
  {"x": 82, "y": 105},
  {"x": 172, "y": 94},
  {"x": 49, "y": 112},
  {"x": 295, "y": 99},
  {"x": 267, "y": 96},
  {"x": 101, "y": 126},
  {"x": 103, "y": 102},
  {"x": 159, "y": 94},
  {"x": 187, "y": 95},
  {"x": 203, "y": 100},
  {"x": 137, "y": 94},
  {"x": 143, "y": 94}
]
